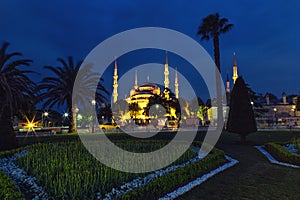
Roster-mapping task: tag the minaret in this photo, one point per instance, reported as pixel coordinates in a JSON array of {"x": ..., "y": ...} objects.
[
  {"x": 227, "y": 88},
  {"x": 166, "y": 73},
  {"x": 235, "y": 73},
  {"x": 136, "y": 81},
  {"x": 176, "y": 85},
  {"x": 115, "y": 85},
  {"x": 227, "y": 83}
]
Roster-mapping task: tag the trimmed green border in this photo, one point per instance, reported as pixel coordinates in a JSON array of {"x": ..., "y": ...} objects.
[{"x": 281, "y": 154}]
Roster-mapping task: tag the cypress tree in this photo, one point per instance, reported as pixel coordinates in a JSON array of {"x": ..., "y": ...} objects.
[{"x": 241, "y": 116}]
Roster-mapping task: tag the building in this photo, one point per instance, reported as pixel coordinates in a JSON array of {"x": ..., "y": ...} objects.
[
  {"x": 140, "y": 96},
  {"x": 278, "y": 112}
]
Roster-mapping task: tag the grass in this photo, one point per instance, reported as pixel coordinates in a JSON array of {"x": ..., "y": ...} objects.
[
  {"x": 253, "y": 178},
  {"x": 67, "y": 171},
  {"x": 8, "y": 190},
  {"x": 296, "y": 142}
]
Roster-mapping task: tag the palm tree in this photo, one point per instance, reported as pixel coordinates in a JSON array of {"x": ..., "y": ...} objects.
[
  {"x": 58, "y": 90},
  {"x": 15, "y": 89},
  {"x": 213, "y": 26}
]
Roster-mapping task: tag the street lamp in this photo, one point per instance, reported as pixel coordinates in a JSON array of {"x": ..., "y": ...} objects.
[
  {"x": 93, "y": 123},
  {"x": 44, "y": 114},
  {"x": 65, "y": 116},
  {"x": 294, "y": 110},
  {"x": 275, "y": 115}
]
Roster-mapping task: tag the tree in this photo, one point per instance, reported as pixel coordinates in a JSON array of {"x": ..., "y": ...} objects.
[
  {"x": 298, "y": 104},
  {"x": 241, "y": 116},
  {"x": 120, "y": 108},
  {"x": 58, "y": 90},
  {"x": 105, "y": 113},
  {"x": 195, "y": 105},
  {"x": 184, "y": 106},
  {"x": 213, "y": 26},
  {"x": 202, "y": 113},
  {"x": 15, "y": 89},
  {"x": 256, "y": 100},
  {"x": 134, "y": 110}
]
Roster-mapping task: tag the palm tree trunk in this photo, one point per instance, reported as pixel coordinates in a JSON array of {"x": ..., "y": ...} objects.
[
  {"x": 218, "y": 82},
  {"x": 72, "y": 116},
  {"x": 8, "y": 138},
  {"x": 74, "y": 119}
]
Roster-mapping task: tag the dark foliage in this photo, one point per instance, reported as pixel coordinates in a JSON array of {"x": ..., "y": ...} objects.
[
  {"x": 241, "y": 116},
  {"x": 212, "y": 27},
  {"x": 57, "y": 90},
  {"x": 16, "y": 91}
]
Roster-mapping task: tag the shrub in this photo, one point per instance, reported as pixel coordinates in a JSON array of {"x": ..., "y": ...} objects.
[
  {"x": 296, "y": 143},
  {"x": 179, "y": 177},
  {"x": 8, "y": 190},
  {"x": 281, "y": 154},
  {"x": 241, "y": 118}
]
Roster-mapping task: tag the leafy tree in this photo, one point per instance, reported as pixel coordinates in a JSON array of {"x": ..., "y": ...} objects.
[
  {"x": 272, "y": 97},
  {"x": 15, "y": 89},
  {"x": 155, "y": 99},
  {"x": 298, "y": 104},
  {"x": 208, "y": 103},
  {"x": 255, "y": 99},
  {"x": 167, "y": 103},
  {"x": 213, "y": 26},
  {"x": 183, "y": 103},
  {"x": 57, "y": 90},
  {"x": 105, "y": 112},
  {"x": 202, "y": 113},
  {"x": 195, "y": 105},
  {"x": 241, "y": 116},
  {"x": 120, "y": 107},
  {"x": 134, "y": 109}
]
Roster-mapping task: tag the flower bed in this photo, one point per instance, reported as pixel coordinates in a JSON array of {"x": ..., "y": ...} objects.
[
  {"x": 20, "y": 177},
  {"x": 167, "y": 183},
  {"x": 181, "y": 190},
  {"x": 280, "y": 153},
  {"x": 67, "y": 171},
  {"x": 8, "y": 190}
]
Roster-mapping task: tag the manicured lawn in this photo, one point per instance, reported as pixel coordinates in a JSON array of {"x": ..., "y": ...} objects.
[
  {"x": 68, "y": 171},
  {"x": 254, "y": 177}
]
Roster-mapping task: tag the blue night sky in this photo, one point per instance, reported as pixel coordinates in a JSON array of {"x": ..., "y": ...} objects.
[{"x": 265, "y": 36}]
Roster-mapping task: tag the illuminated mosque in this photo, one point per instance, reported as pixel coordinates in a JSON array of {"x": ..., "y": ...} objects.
[{"x": 140, "y": 96}]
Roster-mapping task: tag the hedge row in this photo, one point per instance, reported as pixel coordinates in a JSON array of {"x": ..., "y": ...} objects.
[
  {"x": 8, "y": 153},
  {"x": 169, "y": 182},
  {"x": 281, "y": 154},
  {"x": 8, "y": 190}
]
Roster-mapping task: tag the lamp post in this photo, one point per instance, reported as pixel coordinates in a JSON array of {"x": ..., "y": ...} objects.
[
  {"x": 93, "y": 118},
  {"x": 44, "y": 114},
  {"x": 275, "y": 115},
  {"x": 65, "y": 115},
  {"x": 294, "y": 110}
]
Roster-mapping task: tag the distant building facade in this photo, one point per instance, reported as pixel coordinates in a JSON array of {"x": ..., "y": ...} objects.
[{"x": 278, "y": 112}]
